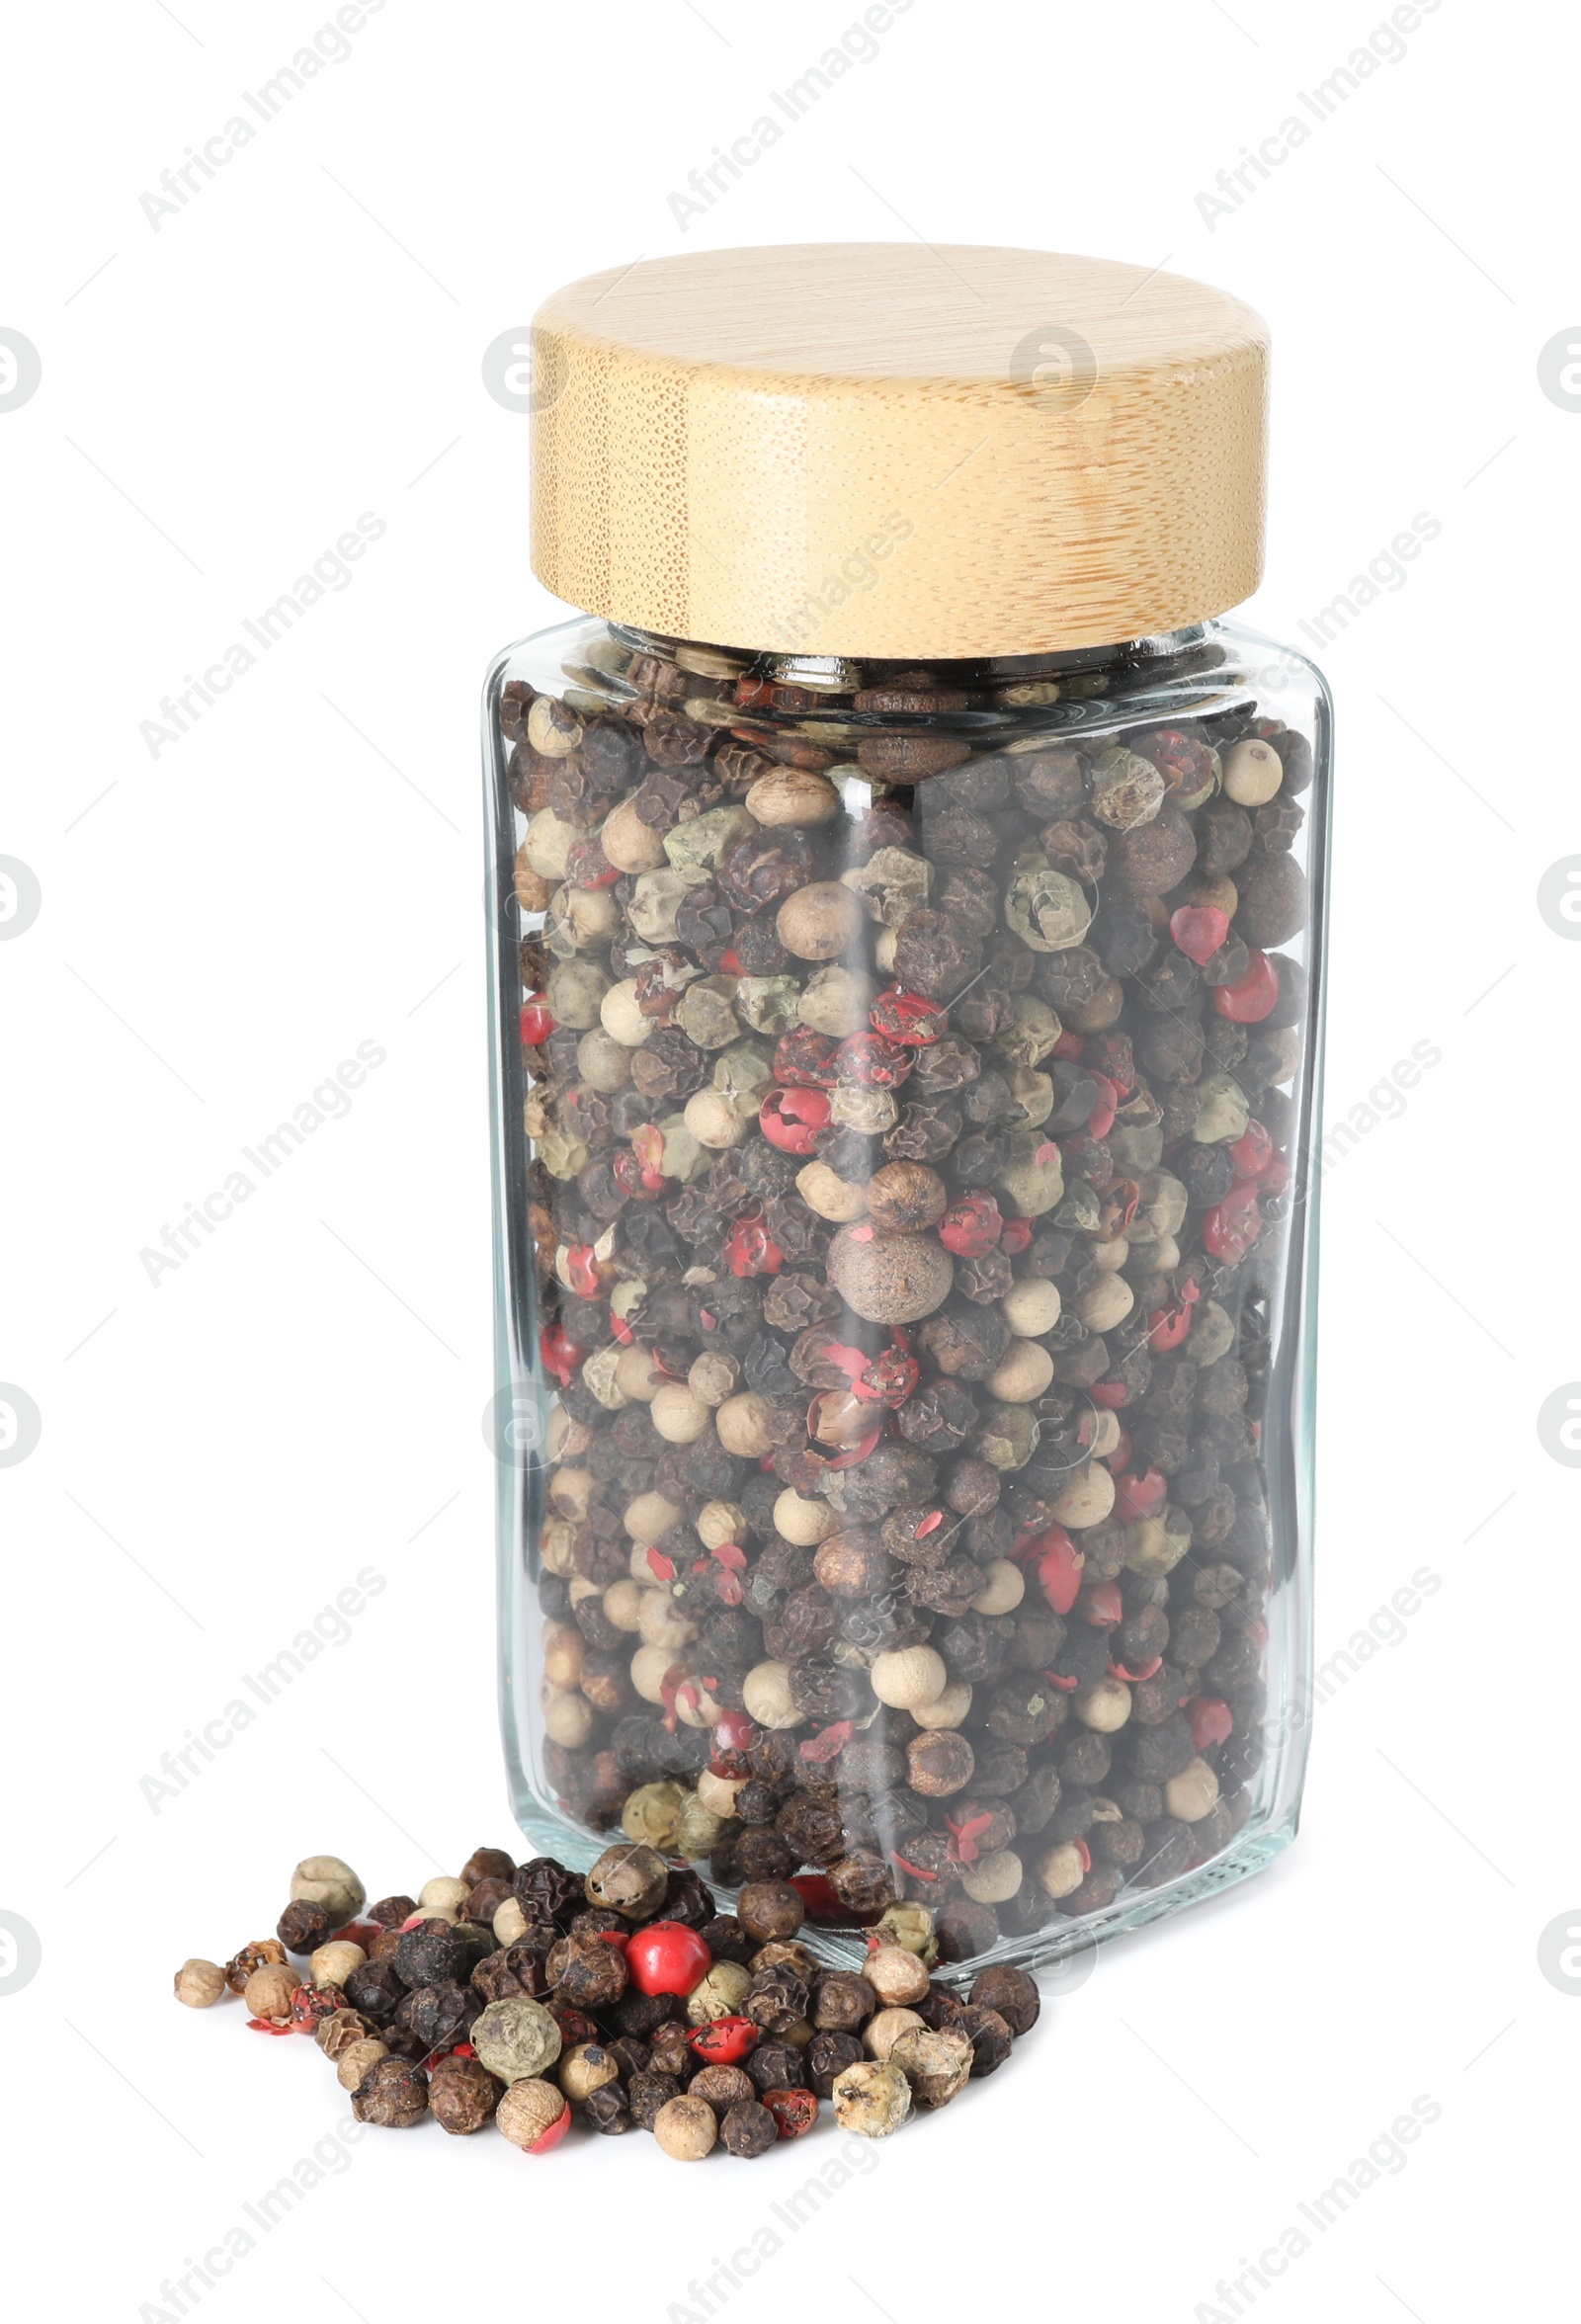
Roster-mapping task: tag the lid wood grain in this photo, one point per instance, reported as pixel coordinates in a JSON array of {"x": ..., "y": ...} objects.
[{"x": 891, "y": 450}]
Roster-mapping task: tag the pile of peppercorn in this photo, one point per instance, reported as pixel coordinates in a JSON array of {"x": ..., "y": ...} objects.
[
  {"x": 905, "y": 1166},
  {"x": 529, "y": 1995}
]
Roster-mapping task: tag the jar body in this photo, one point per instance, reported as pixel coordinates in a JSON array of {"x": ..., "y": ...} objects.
[{"x": 905, "y": 1267}]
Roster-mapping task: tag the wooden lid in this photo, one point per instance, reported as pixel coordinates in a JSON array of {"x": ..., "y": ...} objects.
[{"x": 887, "y": 450}]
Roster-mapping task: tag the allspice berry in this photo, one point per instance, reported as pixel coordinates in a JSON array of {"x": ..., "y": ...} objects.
[
  {"x": 770, "y": 1909},
  {"x": 631, "y": 1880},
  {"x": 330, "y": 1881},
  {"x": 940, "y": 1764},
  {"x": 358, "y": 2059},
  {"x": 462, "y": 2095},
  {"x": 393, "y": 2092},
  {"x": 906, "y": 1196},
  {"x": 937, "y": 2066},
  {"x": 889, "y": 1277},
  {"x": 199, "y": 1984},
  {"x": 527, "y": 2110},
  {"x": 686, "y": 2129},
  {"x": 870, "y": 2099},
  {"x": 1010, "y": 1991}
]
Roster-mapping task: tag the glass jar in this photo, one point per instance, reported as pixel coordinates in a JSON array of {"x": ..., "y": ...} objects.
[{"x": 903, "y": 1060}]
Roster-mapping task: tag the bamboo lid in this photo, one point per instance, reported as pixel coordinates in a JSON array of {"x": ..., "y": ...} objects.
[{"x": 891, "y": 450}]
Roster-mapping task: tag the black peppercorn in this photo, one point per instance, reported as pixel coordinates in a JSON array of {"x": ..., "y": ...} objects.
[
  {"x": 393, "y": 2094},
  {"x": 775, "y": 2066},
  {"x": 375, "y": 1990},
  {"x": 303, "y": 1927}
]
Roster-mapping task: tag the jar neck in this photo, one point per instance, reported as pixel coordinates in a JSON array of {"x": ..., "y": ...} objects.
[{"x": 834, "y": 701}]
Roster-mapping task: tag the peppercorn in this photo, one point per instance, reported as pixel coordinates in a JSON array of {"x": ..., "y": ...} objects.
[
  {"x": 529, "y": 2110},
  {"x": 302, "y": 1926},
  {"x": 775, "y": 2066},
  {"x": 515, "y": 2038},
  {"x": 327, "y": 1880},
  {"x": 358, "y": 2059},
  {"x": 463, "y": 2094},
  {"x": 1011, "y": 1992},
  {"x": 631, "y": 1880},
  {"x": 937, "y": 2065},
  {"x": 390, "y": 1911},
  {"x": 199, "y": 1984},
  {"x": 870, "y": 2099},
  {"x": 770, "y": 1909},
  {"x": 393, "y": 2094},
  {"x": 267, "y": 1951},
  {"x": 686, "y": 2129}
]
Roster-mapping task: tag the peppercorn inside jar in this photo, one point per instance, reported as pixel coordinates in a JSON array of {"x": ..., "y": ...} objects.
[{"x": 903, "y": 1064}]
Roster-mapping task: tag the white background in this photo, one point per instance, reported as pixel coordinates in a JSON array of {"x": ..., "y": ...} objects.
[{"x": 220, "y": 926}]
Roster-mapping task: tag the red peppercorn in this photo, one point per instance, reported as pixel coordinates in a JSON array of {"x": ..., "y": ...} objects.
[
  {"x": 1068, "y": 1049},
  {"x": 874, "y": 1062},
  {"x": 1167, "y": 1327},
  {"x": 751, "y": 1249},
  {"x": 1198, "y": 930},
  {"x": 1060, "y": 1567},
  {"x": 361, "y": 1932},
  {"x": 733, "y": 1732},
  {"x": 1016, "y": 1237},
  {"x": 795, "y": 2111},
  {"x": 537, "y": 1023},
  {"x": 1117, "y": 1462},
  {"x": 1101, "y": 1121},
  {"x": 267, "y": 2026},
  {"x": 725, "y": 2041},
  {"x": 1140, "y": 1496},
  {"x": 907, "y": 1018},
  {"x": 1110, "y": 1394},
  {"x": 1231, "y": 1228},
  {"x": 972, "y": 1226},
  {"x": 666, "y": 1956},
  {"x": 1251, "y": 999},
  {"x": 791, "y": 1118},
  {"x": 1103, "y": 1605},
  {"x": 560, "y": 1356},
  {"x": 1210, "y": 1719},
  {"x": 547, "y": 2141},
  {"x": 1252, "y": 1151},
  {"x": 805, "y": 1059},
  {"x": 1117, "y": 1670},
  {"x": 582, "y": 1268}
]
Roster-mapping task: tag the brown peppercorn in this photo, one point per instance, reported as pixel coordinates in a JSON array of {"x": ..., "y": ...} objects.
[
  {"x": 940, "y": 1764},
  {"x": 855, "y": 1563},
  {"x": 630, "y": 1878},
  {"x": 337, "y": 2034},
  {"x": 488, "y": 1863},
  {"x": 390, "y": 1911},
  {"x": 777, "y": 1998},
  {"x": 484, "y": 1901},
  {"x": 302, "y": 1926},
  {"x": 258, "y": 1956},
  {"x": 722, "y": 2087},
  {"x": 863, "y": 1881},
  {"x": 358, "y": 2060},
  {"x": 199, "y": 1984},
  {"x": 904, "y": 1198},
  {"x": 393, "y": 2094},
  {"x": 842, "y": 2001},
  {"x": 990, "y": 2039},
  {"x": 587, "y": 1972},
  {"x": 777, "y": 2065},
  {"x": 747, "y": 2129},
  {"x": 1011, "y": 1992},
  {"x": 826, "y": 2056},
  {"x": 770, "y": 1909},
  {"x": 686, "y": 2129},
  {"x": 646, "y": 2093},
  {"x": 463, "y": 2094}
]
